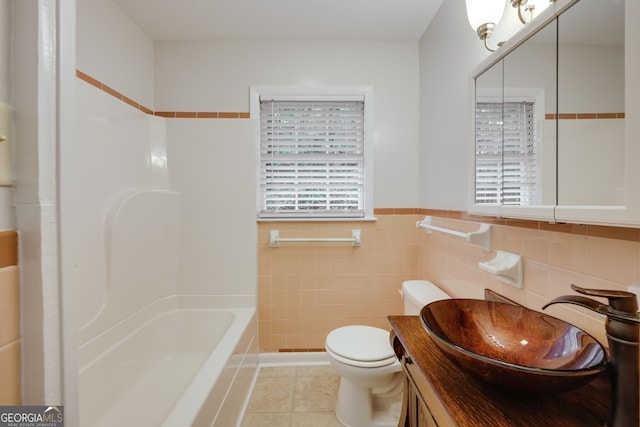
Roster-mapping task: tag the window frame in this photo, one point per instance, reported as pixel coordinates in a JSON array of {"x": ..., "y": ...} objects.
[{"x": 294, "y": 92}]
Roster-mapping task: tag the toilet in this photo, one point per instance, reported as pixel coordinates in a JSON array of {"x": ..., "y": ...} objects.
[{"x": 370, "y": 392}]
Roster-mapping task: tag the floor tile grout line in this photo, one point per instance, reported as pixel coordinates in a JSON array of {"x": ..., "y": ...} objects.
[{"x": 299, "y": 373}]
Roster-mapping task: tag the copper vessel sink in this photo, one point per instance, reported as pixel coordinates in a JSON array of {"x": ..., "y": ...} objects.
[{"x": 513, "y": 347}]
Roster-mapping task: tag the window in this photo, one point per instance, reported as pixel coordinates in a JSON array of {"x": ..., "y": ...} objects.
[
  {"x": 488, "y": 153},
  {"x": 313, "y": 156},
  {"x": 506, "y": 153}
]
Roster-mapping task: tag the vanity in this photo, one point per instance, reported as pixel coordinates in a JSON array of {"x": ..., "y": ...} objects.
[{"x": 438, "y": 393}]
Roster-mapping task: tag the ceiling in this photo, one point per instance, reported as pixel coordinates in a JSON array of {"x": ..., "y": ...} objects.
[{"x": 361, "y": 20}]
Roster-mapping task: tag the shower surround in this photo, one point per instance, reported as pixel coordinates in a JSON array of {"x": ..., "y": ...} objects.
[{"x": 160, "y": 264}]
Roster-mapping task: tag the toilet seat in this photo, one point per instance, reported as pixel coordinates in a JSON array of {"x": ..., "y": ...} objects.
[{"x": 361, "y": 346}]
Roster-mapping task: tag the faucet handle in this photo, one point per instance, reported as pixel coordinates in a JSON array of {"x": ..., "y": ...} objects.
[{"x": 620, "y": 301}]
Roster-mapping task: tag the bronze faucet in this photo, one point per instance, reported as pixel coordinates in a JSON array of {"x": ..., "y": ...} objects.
[{"x": 622, "y": 326}]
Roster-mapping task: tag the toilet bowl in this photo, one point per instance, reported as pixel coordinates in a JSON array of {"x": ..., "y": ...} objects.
[
  {"x": 371, "y": 386},
  {"x": 370, "y": 376}
]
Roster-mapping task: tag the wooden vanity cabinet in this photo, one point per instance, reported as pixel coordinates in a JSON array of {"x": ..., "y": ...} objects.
[
  {"x": 438, "y": 393},
  {"x": 415, "y": 411},
  {"x": 419, "y": 401}
]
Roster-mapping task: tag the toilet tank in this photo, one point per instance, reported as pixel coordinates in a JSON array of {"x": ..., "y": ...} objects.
[{"x": 418, "y": 293}]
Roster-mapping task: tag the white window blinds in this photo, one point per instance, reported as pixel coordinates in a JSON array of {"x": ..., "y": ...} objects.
[
  {"x": 506, "y": 153},
  {"x": 311, "y": 158},
  {"x": 488, "y": 153},
  {"x": 519, "y": 154}
]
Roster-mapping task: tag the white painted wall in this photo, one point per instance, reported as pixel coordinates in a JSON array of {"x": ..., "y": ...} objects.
[
  {"x": 114, "y": 50},
  {"x": 449, "y": 51},
  {"x": 591, "y": 153},
  {"x": 591, "y": 156},
  {"x": 599, "y": 68},
  {"x": 216, "y": 75}
]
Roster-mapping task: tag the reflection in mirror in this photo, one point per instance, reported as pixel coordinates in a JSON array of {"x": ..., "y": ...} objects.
[
  {"x": 488, "y": 136},
  {"x": 515, "y": 126},
  {"x": 591, "y": 104},
  {"x": 529, "y": 148}
]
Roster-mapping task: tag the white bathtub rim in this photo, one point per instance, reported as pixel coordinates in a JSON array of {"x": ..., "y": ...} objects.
[
  {"x": 198, "y": 390},
  {"x": 230, "y": 345},
  {"x": 89, "y": 331},
  {"x": 247, "y": 399},
  {"x": 92, "y": 348}
]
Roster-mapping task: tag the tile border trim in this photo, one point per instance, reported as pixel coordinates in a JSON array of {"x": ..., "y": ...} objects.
[
  {"x": 583, "y": 116},
  {"x": 610, "y": 232},
  {"x": 166, "y": 114}
]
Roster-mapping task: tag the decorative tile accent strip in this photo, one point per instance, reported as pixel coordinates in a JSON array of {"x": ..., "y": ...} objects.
[
  {"x": 395, "y": 211},
  {"x": 300, "y": 350},
  {"x": 167, "y": 114},
  {"x": 8, "y": 248},
  {"x": 583, "y": 116}
]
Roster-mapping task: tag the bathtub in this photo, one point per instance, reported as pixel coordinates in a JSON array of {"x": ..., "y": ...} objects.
[{"x": 181, "y": 361}]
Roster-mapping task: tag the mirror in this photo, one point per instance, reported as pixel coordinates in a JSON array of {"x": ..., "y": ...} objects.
[
  {"x": 562, "y": 119},
  {"x": 530, "y": 128},
  {"x": 488, "y": 133},
  {"x": 591, "y": 104},
  {"x": 515, "y": 126}
]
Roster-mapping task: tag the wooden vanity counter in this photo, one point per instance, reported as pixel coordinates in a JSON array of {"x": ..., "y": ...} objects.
[{"x": 438, "y": 393}]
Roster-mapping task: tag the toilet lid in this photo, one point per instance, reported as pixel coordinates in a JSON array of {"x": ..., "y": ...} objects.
[{"x": 361, "y": 343}]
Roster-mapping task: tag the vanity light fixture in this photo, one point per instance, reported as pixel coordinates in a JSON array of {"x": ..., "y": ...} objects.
[
  {"x": 483, "y": 16},
  {"x": 527, "y": 9}
]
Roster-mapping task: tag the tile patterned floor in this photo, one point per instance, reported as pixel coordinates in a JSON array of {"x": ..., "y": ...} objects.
[{"x": 293, "y": 396}]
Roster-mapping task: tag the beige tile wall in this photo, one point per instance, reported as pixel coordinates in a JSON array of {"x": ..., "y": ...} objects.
[
  {"x": 306, "y": 290},
  {"x": 553, "y": 260},
  {"x": 10, "y": 393}
]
